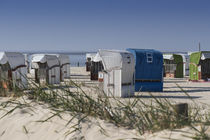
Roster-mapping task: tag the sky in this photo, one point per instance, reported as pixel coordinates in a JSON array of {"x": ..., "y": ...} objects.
[{"x": 89, "y": 25}]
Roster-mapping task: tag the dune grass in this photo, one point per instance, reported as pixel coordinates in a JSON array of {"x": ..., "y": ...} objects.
[{"x": 131, "y": 113}]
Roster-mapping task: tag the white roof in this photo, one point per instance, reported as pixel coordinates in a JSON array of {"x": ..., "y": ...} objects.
[
  {"x": 112, "y": 59},
  {"x": 90, "y": 55},
  {"x": 97, "y": 58},
  {"x": 14, "y": 59},
  {"x": 38, "y": 58},
  {"x": 3, "y": 58},
  {"x": 205, "y": 56},
  {"x": 63, "y": 58},
  {"x": 168, "y": 56},
  {"x": 50, "y": 59}
]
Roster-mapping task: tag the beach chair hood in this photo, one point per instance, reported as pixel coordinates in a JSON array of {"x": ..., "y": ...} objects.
[
  {"x": 97, "y": 58},
  {"x": 205, "y": 56},
  {"x": 168, "y": 56},
  {"x": 90, "y": 55},
  {"x": 113, "y": 59},
  {"x": 3, "y": 58},
  {"x": 13, "y": 58},
  {"x": 63, "y": 59},
  {"x": 51, "y": 60}
]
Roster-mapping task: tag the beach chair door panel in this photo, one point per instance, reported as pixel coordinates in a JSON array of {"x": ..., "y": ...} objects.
[
  {"x": 42, "y": 76},
  {"x": 57, "y": 75},
  {"x": 109, "y": 82},
  {"x": 65, "y": 71},
  {"x": 53, "y": 80},
  {"x": 17, "y": 78},
  {"x": 61, "y": 74},
  {"x": 50, "y": 77},
  {"x": 24, "y": 81},
  {"x": 68, "y": 71},
  {"x": 117, "y": 83}
]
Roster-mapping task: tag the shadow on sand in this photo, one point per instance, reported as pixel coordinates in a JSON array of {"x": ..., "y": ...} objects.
[
  {"x": 188, "y": 90},
  {"x": 181, "y": 81},
  {"x": 168, "y": 97},
  {"x": 58, "y": 87},
  {"x": 79, "y": 76}
]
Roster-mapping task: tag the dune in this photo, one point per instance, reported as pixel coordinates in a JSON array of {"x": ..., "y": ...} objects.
[
  {"x": 30, "y": 121},
  {"x": 27, "y": 123}
]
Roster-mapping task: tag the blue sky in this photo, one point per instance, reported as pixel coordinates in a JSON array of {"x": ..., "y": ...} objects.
[{"x": 89, "y": 25}]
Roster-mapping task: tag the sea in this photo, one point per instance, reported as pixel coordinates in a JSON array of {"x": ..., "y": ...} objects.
[{"x": 77, "y": 59}]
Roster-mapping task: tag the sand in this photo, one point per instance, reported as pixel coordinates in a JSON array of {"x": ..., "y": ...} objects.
[
  {"x": 199, "y": 92},
  {"x": 24, "y": 123},
  {"x": 27, "y": 123}
]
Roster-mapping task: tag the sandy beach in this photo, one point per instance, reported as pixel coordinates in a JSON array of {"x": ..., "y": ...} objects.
[{"x": 29, "y": 121}]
